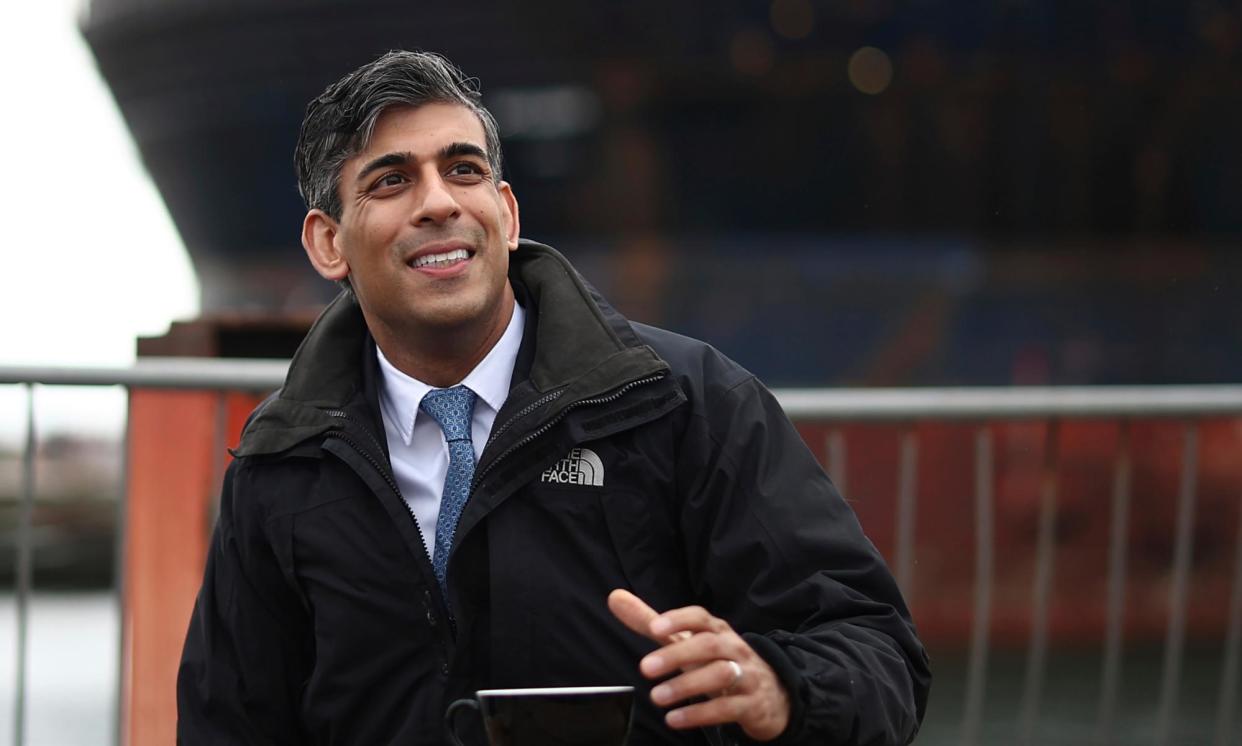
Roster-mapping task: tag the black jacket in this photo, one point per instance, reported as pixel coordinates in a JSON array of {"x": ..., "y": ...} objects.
[{"x": 319, "y": 620}]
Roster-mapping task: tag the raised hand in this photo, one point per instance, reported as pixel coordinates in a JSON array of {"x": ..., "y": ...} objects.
[{"x": 714, "y": 661}]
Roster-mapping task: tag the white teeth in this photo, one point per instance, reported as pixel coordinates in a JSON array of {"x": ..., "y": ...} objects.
[{"x": 448, "y": 257}]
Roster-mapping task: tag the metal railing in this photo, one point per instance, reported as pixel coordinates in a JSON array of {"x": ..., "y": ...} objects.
[
  {"x": 980, "y": 406},
  {"x": 985, "y": 405},
  {"x": 156, "y": 373}
]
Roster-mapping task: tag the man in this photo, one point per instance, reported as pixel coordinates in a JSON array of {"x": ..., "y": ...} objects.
[{"x": 479, "y": 475}]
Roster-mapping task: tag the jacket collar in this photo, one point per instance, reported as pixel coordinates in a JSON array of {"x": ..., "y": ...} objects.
[{"x": 582, "y": 347}]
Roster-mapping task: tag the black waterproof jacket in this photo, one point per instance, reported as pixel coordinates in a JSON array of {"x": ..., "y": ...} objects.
[{"x": 320, "y": 622}]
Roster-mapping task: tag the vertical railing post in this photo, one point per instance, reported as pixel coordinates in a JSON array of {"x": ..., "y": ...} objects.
[
  {"x": 836, "y": 460},
  {"x": 906, "y": 507},
  {"x": 25, "y": 566},
  {"x": 976, "y": 674},
  {"x": 219, "y": 458},
  {"x": 1045, "y": 552},
  {"x": 118, "y": 585},
  {"x": 1117, "y": 547},
  {"x": 1229, "y": 671},
  {"x": 1179, "y": 591}
]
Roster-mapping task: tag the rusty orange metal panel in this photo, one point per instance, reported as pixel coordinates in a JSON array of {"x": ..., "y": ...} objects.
[
  {"x": 176, "y": 452},
  {"x": 943, "y": 536}
]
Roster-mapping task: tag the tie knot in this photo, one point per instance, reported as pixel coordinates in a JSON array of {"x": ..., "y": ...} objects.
[{"x": 453, "y": 409}]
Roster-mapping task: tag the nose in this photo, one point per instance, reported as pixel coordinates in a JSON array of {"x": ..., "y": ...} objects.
[{"x": 437, "y": 205}]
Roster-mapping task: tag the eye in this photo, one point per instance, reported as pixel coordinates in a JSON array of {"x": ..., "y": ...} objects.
[
  {"x": 467, "y": 169},
  {"x": 391, "y": 179}
]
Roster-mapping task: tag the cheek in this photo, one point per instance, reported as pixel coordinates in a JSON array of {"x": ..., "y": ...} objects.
[
  {"x": 490, "y": 214},
  {"x": 370, "y": 231},
  {"x": 483, "y": 217}
]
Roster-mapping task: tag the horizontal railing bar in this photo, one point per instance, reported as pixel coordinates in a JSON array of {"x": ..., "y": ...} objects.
[
  {"x": 160, "y": 373},
  {"x": 1015, "y": 402},
  {"x": 977, "y": 403}
]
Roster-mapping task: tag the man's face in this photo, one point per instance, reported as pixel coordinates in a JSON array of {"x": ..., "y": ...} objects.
[{"x": 425, "y": 233}]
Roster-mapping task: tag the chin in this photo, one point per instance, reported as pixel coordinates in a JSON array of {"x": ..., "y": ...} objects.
[{"x": 450, "y": 316}]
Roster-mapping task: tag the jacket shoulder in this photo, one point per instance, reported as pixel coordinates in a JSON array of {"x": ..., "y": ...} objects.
[{"x": 694, "y": 362}]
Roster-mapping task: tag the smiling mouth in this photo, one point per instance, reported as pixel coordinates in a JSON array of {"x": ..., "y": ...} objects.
[{"x": 441, "y": 260}]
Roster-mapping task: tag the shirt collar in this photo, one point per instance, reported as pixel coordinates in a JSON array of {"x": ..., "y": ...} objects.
[
  {"x": 401, "y": 394},
  {"x": 491, "y": 378}
]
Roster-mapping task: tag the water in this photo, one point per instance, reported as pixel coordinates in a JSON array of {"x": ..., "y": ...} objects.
[
  {"x": 1070, "y": 699},
  {"x": 71, "y": 675}
]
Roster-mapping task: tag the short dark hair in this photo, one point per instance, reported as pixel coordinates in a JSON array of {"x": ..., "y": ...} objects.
[{"x": 340, "y": 121}]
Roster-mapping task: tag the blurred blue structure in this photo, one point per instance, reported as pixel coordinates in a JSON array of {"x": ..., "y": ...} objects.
[{"x": 1023, "y": 191}]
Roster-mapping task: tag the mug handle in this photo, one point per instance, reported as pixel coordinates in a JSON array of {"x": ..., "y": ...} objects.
[{"x": 450, "y": 719}]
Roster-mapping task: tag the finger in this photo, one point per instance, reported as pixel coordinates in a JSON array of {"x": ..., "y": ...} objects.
[
  {"x": 718, "y": 711},
  {"x": 695, "y": 651},
  {"x": 707, "y": 680},
  {"x": 633, "y": 612},
  {"x": 687, "y": 618}
]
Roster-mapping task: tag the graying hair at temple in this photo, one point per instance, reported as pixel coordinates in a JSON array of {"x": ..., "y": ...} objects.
[{"x": 339, "y": 123}]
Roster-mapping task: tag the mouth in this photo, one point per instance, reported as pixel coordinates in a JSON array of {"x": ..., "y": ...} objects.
[{"x": 441, "y": 258}]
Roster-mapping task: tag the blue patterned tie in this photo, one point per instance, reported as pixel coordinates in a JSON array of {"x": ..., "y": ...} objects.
[{"x": 453, "y": 409}]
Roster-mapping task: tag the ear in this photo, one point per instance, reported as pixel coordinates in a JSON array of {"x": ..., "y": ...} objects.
[
  {"x": 513, "y": 224},
  {"x": 319, "y": 238}
]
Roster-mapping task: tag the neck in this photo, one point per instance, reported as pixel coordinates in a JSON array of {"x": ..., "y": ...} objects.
[{"x": 443, "y": 356}]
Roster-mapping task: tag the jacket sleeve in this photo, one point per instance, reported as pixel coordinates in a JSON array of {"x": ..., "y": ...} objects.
[
  {"x": 775, "y": 550},
  {"x": 244, "y": 658}
]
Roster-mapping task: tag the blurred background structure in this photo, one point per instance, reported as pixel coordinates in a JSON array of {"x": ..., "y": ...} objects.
[
  {"x": 861, "y": 193},
  {"x": 915, "y": 193}
]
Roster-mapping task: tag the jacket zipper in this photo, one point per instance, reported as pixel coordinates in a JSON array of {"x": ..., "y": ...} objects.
[
  {"x": 546, "y": 398},
  {"x": 478, "y": 477},
  {"x": 366, "y": 454},
  {"x": 392, "y": 483}
]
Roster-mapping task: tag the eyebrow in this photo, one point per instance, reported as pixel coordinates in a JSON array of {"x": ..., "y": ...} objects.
[
  {"x": 457, "y": 149},
  {"x": 384, "y": 161},
  {"x": 452, "y": 150}
]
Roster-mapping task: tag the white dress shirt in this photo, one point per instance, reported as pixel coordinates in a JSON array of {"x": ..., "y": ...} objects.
[{"x": 420, "y": 456}]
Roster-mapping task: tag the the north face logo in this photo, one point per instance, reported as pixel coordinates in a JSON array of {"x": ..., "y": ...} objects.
[{"x": 581, "y": 466}]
